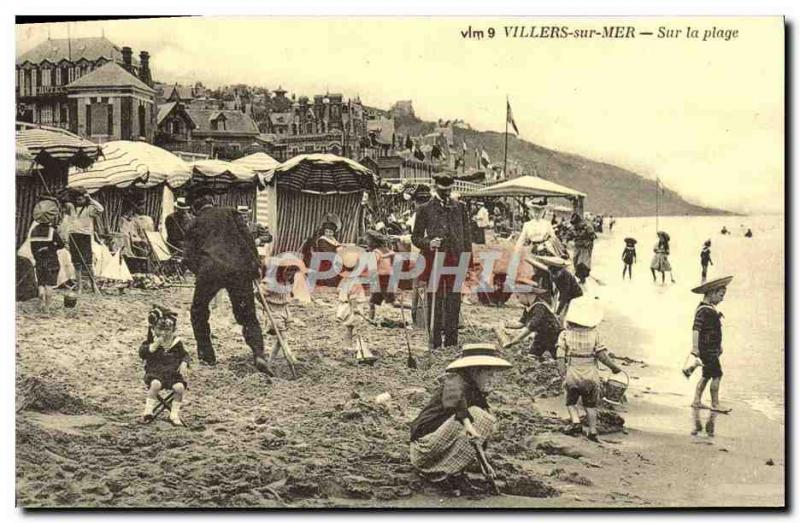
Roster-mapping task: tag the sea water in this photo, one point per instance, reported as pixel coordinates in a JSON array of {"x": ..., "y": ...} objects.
[{"x": 661, "y": 315}]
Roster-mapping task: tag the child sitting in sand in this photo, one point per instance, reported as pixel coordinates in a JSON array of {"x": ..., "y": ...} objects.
[
  {"x": 580, "y": 346},
  {"x": 166, "y": 363}
]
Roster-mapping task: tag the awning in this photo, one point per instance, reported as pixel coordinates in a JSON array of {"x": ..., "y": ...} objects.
[
  {"x": 126, "y": 164},
  {"x": 218, "y": 172},
  {"x": 258, "y": 162},
  {"x": 527, "y": 186},
  {"x": 323, "y": 174},
  {"x": 57, "y": 146}
]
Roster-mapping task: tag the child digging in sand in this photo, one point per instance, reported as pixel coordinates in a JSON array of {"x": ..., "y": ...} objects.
[
  {"x": 580, "y": 346},
  {"x": 166, "y": 364}
]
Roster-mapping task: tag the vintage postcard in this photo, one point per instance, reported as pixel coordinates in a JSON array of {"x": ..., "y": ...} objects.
[{"x": 400, "y": 262}]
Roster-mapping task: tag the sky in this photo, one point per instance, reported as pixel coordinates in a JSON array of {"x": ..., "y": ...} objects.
[{"x": 706, "y": 117}]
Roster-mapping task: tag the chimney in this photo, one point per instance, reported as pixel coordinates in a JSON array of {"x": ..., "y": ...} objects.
[
  {"x": 144, "y": 68},
  {"x": 127, "y": 59}
]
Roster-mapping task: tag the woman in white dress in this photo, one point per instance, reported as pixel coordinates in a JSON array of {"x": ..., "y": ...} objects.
[{"x": 537, "y": 234}]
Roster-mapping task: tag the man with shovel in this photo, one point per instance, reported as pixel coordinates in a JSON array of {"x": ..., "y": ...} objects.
[
  {"x": 442, "y": 234},
  {"x": 221, "y": 252}
]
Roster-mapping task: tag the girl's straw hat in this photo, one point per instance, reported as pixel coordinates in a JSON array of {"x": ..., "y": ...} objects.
[
  {"x": 479, "y": 355},
  {"x": 585, "y": 311}
]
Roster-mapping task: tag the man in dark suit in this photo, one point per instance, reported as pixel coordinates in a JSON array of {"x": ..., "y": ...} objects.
[
  {"x": 176, "y": 225},
  {"x": 220, "y": 251},
  {"x": 442, "y": 230}
]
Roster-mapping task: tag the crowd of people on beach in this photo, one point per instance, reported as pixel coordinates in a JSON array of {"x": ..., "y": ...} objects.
[{"x": 559, "y": 318}]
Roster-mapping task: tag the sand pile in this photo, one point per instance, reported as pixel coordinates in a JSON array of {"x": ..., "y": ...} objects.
[{"x": 45, "y": 393}]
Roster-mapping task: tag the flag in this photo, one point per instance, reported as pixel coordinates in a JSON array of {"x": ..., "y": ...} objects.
[
  {"x": 418, "y": 154},
  {"x": 465, "y": 147},
  {"x": 409, "y": 143},
  {"x": 436, "y": 152},
  {"x": 485, "y": 158},
  {"x": 510, "y": 117}
]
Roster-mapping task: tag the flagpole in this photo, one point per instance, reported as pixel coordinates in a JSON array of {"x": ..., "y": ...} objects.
[
  {"x": 658, "y": 184},
  {"x": 505, "y": 149}
]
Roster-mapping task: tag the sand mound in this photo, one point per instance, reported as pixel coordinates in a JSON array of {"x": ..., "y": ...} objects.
[{"x": 46, "y": 394}]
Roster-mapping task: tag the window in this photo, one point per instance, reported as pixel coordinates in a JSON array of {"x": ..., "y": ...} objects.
[
  {"x": 100, "y": 119},
  {"x": 309, "y": 128},
  {"x": 46, "y": 114},
  {"x": 142, "y": 120},
  {"x": 58, "y": 77},
  {"x": 45, "y": 77}
]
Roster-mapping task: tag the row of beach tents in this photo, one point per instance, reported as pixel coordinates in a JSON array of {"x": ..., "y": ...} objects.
[{"x": 291, "y": 197}]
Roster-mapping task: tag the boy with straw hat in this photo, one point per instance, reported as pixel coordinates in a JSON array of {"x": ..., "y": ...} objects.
[
  {"x": 581, "y": 347},
  {"x": 707, "y": 340},
  {"x": 457, "y": 413}
]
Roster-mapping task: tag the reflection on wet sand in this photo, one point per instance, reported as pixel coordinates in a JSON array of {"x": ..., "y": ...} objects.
[{"x": 710, "y": 425}]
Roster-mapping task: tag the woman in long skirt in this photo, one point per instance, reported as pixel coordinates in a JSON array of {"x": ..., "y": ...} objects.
[{"x": 660, "y": 261}]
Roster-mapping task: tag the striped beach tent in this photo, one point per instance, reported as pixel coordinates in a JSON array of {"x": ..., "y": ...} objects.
[
  {"x": 43, "y": 157},
  {"x": 309, "y": 186},
  {"x": 131, "y": 171},
  {"x": 232, "y": 184},
  {"x": 47, "y": 145}
]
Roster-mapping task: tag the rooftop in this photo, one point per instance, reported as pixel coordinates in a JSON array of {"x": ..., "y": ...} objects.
[
  {"x": 73, "y": 49},
  {"x": 110, "y": 75}
]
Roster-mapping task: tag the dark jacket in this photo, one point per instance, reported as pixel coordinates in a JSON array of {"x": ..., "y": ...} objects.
[
  {"x": 708, "y": 324},
  {"x": 452, "y": 398},
  {"x": 448, "y": 221},
  {"x": 163, "y": 362},
  {"x": 567, "y": 286},
  {"x": 177, "y": 224},
  {"x": 218, "y": 244}
]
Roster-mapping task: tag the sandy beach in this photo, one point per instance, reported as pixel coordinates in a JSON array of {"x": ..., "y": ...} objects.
[{"x": 322, "y": 441}]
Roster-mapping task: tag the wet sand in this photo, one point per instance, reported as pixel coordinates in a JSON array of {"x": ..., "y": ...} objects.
[{"x": 321, "y": 441}]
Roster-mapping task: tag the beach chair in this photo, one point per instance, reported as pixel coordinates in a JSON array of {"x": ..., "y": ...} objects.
[
  {"x": 162, "y": 260},
  {"x": 164, "y": 404}
]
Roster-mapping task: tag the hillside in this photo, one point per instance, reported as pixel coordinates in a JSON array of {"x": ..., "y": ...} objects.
[{"x": 610, "y": 189}]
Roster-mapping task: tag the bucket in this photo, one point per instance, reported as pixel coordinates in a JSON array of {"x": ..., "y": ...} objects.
[
  {"x": 70, "y": 300},
  {"x": 614, "y": 390}
]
